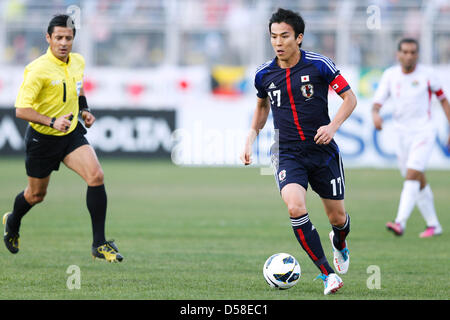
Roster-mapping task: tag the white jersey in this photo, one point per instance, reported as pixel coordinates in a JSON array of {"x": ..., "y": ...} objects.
[{"x": 411, "y": 95}]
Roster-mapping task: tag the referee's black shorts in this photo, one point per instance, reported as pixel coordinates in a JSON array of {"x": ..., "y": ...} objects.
[{"x": 44, "y": 153}]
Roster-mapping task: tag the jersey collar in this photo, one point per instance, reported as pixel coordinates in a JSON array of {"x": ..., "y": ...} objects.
[{"x": 60, "y": 63}]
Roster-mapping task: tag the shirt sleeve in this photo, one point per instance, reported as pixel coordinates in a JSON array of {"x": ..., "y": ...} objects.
[
  {"x": 29, "y": 90},
  {"x": 339, "y": 84},
  {"x": 332, "y": 75},
  {"x": 261, "y": 91},
  {"x": 80, "y": 60},
  {"x": 436, "y": 87},
  {"x": 80, "y": 81},
  {"x": 382, "y": 92}
]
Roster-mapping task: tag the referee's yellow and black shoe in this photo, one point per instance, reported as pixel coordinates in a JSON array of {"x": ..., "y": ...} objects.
[
  {"x": 107, "y": 251},
  {"x": 10, "y": 237}
]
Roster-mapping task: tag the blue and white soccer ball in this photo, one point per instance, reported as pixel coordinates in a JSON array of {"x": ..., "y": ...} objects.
[{"x": 281, "y": 271}]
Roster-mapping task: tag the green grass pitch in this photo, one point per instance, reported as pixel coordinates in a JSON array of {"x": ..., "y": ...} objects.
[{"x": 205, "y": 233}]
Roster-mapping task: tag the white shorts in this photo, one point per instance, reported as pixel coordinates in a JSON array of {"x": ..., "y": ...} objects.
[{"x": 414, "y": 150}]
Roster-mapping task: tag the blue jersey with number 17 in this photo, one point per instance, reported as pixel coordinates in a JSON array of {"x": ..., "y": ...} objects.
[{"x": 299, "y": 95}]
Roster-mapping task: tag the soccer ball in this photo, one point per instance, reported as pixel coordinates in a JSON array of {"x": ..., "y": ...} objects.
[{"x": 281, "y": 271}]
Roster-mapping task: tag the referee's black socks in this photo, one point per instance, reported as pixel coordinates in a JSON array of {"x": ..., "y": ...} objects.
[
  {"x": 96, "y": 203},
  {"x": 21, "y": 207}
]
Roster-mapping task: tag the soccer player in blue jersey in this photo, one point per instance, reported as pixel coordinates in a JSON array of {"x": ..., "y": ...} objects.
[{"x": 294, "y": 85}]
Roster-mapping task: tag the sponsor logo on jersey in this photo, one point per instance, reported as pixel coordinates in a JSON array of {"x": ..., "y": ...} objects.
[{"x": 272, "y": 86}]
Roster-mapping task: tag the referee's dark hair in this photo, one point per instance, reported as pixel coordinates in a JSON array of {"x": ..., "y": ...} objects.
[
  {"x": 292, "y": 18},
  {"x": 407, "y": 40},
  {"x": 61, "y": 20}
]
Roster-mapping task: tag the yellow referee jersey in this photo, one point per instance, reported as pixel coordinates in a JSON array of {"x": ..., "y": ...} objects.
[{"x": 51, "y": 87}]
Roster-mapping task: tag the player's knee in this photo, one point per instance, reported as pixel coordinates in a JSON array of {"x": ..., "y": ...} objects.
[
  {"x": 35, "y": 197},
  {"x": 96, "y": 178},
  {"x": 296, "y": 210},
  {"x": 337, "y": 218}
]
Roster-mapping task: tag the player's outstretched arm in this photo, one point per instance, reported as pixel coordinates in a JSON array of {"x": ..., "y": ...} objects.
[
  {"x": 258, "y": 121},
  {"x": 326, "y": 133}
]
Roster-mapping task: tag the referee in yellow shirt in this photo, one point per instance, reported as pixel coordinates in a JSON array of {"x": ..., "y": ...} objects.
[{"x": 51, "y": 99}]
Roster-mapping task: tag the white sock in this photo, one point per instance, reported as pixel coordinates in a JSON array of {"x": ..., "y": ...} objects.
[
  {"x": 425, "y": 202},
  {"x": 408, "y": 198}
]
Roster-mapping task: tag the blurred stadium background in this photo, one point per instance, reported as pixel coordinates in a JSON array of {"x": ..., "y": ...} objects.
[{"x": 175, "y": 78}]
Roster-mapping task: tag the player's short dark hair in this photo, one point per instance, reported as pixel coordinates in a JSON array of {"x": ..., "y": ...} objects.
[
  {"x": 291, "y": 18},
  {"x": 61, "y": 20},
  {"x": 407, "y": 40}
]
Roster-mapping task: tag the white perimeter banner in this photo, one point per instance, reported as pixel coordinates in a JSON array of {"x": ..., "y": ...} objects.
[{"x": 211, "y": 130}]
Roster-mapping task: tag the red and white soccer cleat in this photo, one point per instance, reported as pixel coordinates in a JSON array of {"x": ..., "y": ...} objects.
[
  {"x": 332, "y": 283},
  {"x": 341, "y": 258}
]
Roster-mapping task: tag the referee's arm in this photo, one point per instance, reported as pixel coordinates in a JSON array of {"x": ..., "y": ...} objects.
[
  {"x": 29, "y": 114},
  {"x": 28, "y": 93},
  {"x": 85, "y": 112}
]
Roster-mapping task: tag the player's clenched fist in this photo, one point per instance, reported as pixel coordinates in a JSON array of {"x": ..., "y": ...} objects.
[
  {"x": 246, "y": 155},
  {"x": 324, "y": 135}
]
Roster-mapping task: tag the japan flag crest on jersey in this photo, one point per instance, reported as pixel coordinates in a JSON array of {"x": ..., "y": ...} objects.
[
  {"x": 307, "y": 90},
  {"x": 282, "y": 175}
]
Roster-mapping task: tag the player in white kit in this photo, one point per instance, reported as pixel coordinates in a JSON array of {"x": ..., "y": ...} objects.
[{"x": 411, "y": 86}]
